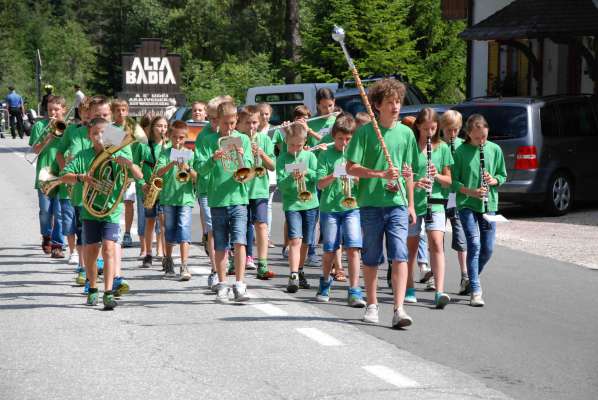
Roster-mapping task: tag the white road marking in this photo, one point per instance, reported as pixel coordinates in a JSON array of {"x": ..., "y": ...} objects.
[
  {"x": 321, "y": 337},
  {"x": 200, "y": 270},
  {"x": 390, "y": 376},
  {"x": 270, "y": 309}
]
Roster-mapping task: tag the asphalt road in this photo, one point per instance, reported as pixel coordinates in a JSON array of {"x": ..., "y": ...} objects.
[{"x": 534, "y": 339}]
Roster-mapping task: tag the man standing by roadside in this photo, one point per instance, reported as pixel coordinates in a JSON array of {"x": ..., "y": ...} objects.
[
  {"x": 16, "y": 110},
  {"x": 79, "y": 97}
]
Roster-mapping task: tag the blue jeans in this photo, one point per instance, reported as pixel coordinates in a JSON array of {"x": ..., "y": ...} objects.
[
  {"x": 480, "y": 235},
  {"x": 459, "y": 242},
  {"x": 377, "y": 222},
  {"x": 229, "y": 226},
  {"x": 422, "y": 249},
  {"x": 345, "y": 225},
  {"x": 68, "y": 217},
  {"x": 50, "y": 218},
  {"x": 302, "y": 224},
  {"x": 178, "y": 224},
  {"x": 204, "y": 209}
]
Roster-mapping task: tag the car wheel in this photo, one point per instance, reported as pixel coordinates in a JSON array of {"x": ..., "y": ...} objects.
[{"x": 559, "y": 195}]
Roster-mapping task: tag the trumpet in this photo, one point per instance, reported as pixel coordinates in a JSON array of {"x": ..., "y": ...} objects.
[
  {"x": 182, "y": 176},
  {"x": 232, "y": 160},
  {"x": 302, "y": 193},
  {"x": 348, "y": 201},
  {"x": 55, "y": 128},
  {"x": 258, "y": 168}
]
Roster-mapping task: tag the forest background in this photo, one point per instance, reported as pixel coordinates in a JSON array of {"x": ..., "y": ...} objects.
[{"x": 228, "y": 46}]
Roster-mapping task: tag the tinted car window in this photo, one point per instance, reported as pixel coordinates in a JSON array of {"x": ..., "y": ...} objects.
[
  {"x": 577, "y": 119},
  {"x": 548, "y": 120},
  {"x": 505, "y": 122},
  {"x": 351, "y": 104},
  {"x": 282, "y": 112}
]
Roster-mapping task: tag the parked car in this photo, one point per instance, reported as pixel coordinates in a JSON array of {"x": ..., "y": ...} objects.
[
  {"x": 350, "y": 100},
  {"x": 414, "y": 109},
  {"x": 549, "y": 144}
]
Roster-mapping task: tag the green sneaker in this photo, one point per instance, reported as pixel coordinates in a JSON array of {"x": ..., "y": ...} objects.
[
  {"x": 109, "y": 302},
  {"x": 120, "y": 286},
  {"x": 263, "y": 272},
  {"x": 92, "y": 299},
  {"x": 81, "y": 277}
]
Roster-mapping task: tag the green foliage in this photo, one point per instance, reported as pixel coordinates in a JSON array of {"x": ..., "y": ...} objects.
[{"x": 230, "y": 45}]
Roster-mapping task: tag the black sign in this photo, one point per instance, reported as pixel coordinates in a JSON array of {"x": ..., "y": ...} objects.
[{"x": 150, "y": 79}]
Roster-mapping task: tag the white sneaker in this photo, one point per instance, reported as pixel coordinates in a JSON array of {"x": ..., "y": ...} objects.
[
  {"x": 213, "y": 281},
  {"x": 249, "y": 264},
  {"x": 222, "y": 292},
  {"x": 74, "y": 258},
  {"x": 431, "y": 285},
  {"x": 401, "y": 319},
  {"x": 240, "y": 292},
  {"x": 425, "y": 272},
  {"x": 371, "y": 314},
  {"x": 476, "y": 300}
]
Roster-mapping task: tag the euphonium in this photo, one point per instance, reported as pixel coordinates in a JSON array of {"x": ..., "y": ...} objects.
[
  {"x": 107, "y": 175},
  {"x": 348, "y": 201}
]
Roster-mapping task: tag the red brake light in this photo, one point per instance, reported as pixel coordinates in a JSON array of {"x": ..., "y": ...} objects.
[{"x": 526, "y": 158}]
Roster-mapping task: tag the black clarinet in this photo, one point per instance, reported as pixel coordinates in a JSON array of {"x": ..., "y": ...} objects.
[
  {"x": 482, "y": 180},
  {"x": 428, "y": 218},
  {"x": 452, "y": 146}
]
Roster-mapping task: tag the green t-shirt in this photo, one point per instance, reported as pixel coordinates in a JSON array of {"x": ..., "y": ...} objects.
[
  {"x": 81, "y": 165},
  {"x": 47, "y": 157},
  {"x": 288, "y": 185},
  {"x": 223, "y": 190},
  {"x": 332, "y": 195},
  {"x": 456, "y": 143},
  {"x": 175, "y": 193},
  {"x": 202, "y": 179},
  {"x": 364, "y": 149},
  {"x": 322, "y": 127},
  {"x": 71, "y": 144},
  {"x": 466, "y": 172},
  {"x": 441, "y": 157},
  {"x": 278, "y": 139},
  {"x": 259, "y": 187}
]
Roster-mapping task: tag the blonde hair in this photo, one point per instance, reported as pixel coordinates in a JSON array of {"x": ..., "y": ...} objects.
[
  {"x": 451, "y": 119},
  {"x": 474, "y": 121},
  {"x": 225, "y": 109},
  {"x": 362, "y": 118},
  {"x": 213, "y": 104},
  {"x": 248, "y": 111},
  {"x": 295, "y": 131},
  {"x": 264, "y": 105},
  {"x": 345, "y": 123},
  {"x": 118, "y": 103}
]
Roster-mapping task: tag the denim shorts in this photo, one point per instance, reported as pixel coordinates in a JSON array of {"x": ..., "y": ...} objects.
[
  {"x": 258, "y": 211},
  {"x": 301, "y": 224},
  {"x": 229, "y": 226},
  {"x": 459, "y": 241},
  {"x": 337, "y": 225},
  {"x": 377, "y": 222},
  {"x": 177, "y": 221},
  {"x": 438, "y": 224},
  {"x": 205, "y": 211},
  {"x": 98, "y": 231},
  {"x": 154, "y": 211},
  {"x": 69, "y": 222}
]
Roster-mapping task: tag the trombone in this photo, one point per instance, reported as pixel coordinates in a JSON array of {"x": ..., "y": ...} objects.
[
  {"x": 233, "y": 161},
  {"x": 55, "y": 128}
]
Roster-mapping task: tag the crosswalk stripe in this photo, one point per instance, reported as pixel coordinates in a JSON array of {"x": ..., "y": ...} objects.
[
  {"x": 270, "y": 310},
  {"x": 391, "y": 376},
  {"x": 321, "y": 337}
]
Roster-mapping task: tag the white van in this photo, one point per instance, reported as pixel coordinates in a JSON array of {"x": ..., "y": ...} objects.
[{"x": 284, "y": 98}]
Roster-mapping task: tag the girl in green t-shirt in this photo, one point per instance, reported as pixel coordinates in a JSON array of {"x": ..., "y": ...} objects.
[
  {"x": 472, "y": 189},
  {"x": 431, "y": 175}
]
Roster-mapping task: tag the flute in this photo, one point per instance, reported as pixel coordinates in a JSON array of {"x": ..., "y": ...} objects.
[
  {"x": 482, "y": 180},
  {"x": 428, "y": 217},
  {"x": 334, "y": 114}
]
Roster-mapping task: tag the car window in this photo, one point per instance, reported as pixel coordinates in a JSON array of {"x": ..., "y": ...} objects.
[
  {"x": 505, "y": 122},
  {"x": 282, "y": 112},
  {"x": 548, "y": 121},
  {"x": 351, "y": 104},
  {"x": 577, "y": 119},
  {"x": 187, "y": 115}
]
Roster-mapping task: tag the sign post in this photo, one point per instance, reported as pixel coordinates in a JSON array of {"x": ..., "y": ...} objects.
[{"x": 151, "y": 79}]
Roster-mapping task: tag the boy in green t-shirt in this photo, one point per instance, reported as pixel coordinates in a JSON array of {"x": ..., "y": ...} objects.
[
  {"x": 120, "y": 112},
  {"x": 45, "y": 141},
  {"x": 339, "y": 213},
  {"x": 228, "y": 197},
  {"x": 296, "y": 175},
  {"x": 98, "y": 232},
  {"x": 202, "y": 185},
  {"x": 431, "y": 176},
  {"x": 450, "y": 124},
  {"x": 259, "y": 189},
  {"x": 177, "y": 198},
  {"x": 386, "y": 205},
  {"x": 477, "y": 195}
]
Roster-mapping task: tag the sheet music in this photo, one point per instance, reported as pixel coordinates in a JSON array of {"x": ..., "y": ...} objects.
[
  {"x": 340, "y": 170},
  {"x": 228, "y": 143},
  {"x": 300, "y": 166},
  {"x": 452, "y": 200},
  {"x": 112, "y": 136},
  {"x": 182, "y": 155},
  {"x": 495, "y": 218}
]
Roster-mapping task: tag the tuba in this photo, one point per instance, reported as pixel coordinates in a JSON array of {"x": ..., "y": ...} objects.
[{"x": 107, "y": 175}]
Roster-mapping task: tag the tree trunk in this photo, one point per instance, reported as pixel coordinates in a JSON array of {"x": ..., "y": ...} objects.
[{"x": 293, "y": 39}]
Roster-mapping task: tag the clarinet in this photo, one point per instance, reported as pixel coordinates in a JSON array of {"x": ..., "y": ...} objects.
[
  {"x": 428, "y": 218},
  {"x": 452, "y": 146},
  {"x": 482, "y": 180}
]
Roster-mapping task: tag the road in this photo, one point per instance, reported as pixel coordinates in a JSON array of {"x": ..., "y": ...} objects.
[{"x": 167, "y": 339}]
